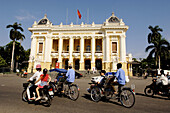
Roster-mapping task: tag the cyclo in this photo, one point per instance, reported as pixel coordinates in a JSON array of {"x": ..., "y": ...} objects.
[
  {"x": 126, "y": 95},
  {"x": 60, "y": 84}
]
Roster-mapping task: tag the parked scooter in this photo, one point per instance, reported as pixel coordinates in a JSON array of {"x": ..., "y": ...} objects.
[
  {"x": 154, "y": 89},
  {"x": 46, "y": 94}
]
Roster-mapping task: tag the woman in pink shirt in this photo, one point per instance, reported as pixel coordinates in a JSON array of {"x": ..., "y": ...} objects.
[{"x": 44, "y": 81}]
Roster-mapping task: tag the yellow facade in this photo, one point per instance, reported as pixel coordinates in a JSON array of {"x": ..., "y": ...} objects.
[{"x": 85, "y": 46}]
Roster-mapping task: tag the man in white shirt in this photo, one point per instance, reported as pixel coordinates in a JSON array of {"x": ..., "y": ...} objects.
[
  {"x": 35, "y": 76},
  {"x": 162, "y": 81}
]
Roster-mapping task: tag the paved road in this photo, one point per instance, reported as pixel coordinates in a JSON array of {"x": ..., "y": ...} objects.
[{"x": 11, "y": 102}]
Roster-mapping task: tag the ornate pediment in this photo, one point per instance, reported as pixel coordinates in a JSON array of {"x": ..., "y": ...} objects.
[
  {"x": 44, "y": 21},
  {"x": 113, "y": 20}
]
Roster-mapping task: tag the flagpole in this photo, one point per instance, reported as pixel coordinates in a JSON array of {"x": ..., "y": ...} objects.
[
  {"x": 77, "y": 20},
  {"x": 66, "y": 16},
  {"x": 87, "y": 15}
]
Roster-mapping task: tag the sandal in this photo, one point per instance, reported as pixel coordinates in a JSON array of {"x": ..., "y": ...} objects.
[{"x": 37, "y": 98}]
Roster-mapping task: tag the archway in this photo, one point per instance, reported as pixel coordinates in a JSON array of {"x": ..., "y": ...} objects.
[
  {"x": 98, "y": 64},
  {"x": 87, "y": 64},
  {"x": 77, "y": 65}
]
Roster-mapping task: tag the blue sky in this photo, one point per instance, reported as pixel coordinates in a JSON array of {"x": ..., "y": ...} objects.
[{"x": 137, "y": 14}]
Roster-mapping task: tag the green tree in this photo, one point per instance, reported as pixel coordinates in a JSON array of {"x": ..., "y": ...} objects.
[
  {"x": 19, "y": 56},
  {"x": 2, "y": 62},
  {"x": 155, "y": 33},
  {"x": 159, "y": 47},
  {"x": 14, "y": 35}
]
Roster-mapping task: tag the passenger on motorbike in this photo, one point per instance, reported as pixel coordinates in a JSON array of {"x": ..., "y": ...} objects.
[
  {"x": 35, "y": 76},
  {"x": 162, "y": 81},
  {"x": 44, "y": 81},
  {"x": 120, "y": 75}
]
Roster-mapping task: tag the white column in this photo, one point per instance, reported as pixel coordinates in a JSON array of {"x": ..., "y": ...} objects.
[
  {"x": 60, "y": 49},
  {"x": 122, "y": 48},
  {"x": 82, "y": 50},
  {"x": 48, "y": 47},
  {"x": 71, "y": 50},
  {"x": 104, "y": 49},
  {"x": 33, "y": 48},
  {"x": 107, "y": 49},
  {"x": 93, "y": 44}
]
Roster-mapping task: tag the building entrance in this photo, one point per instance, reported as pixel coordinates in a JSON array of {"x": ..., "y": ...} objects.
[
  {"x": 98, "y": 64},
  {"x": 65, "y": 63},
  {"x": 76, "y": 67},
  {"x": 87, "y": 64}
]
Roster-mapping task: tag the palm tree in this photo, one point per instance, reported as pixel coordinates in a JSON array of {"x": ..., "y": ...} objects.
[
  {"x": 159, "y": 47},
  {"x": 155, "y": 33},
  {"x": 15, "y": 35}
]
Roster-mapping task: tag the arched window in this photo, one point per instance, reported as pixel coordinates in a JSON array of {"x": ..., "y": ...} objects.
[{"x": 88, "y": 48}]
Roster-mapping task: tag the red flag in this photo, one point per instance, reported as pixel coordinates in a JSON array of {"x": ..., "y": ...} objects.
[{"x": 78, "y": 12}]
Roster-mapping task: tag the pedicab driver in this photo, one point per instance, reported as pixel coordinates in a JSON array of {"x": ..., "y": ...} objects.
[
  {"x": 70, "y": 75},
  {"x": 120, "y": 75}
]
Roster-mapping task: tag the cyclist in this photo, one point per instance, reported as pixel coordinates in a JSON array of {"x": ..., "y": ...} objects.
[
  {"x": 70, "y": 75},
  {"x": 35, "y": 76}
]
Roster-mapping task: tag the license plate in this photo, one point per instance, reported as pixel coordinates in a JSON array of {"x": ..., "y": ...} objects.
[{"x": 51, "y": 92}]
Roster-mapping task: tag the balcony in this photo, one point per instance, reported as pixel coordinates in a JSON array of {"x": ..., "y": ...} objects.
[
  {"x": 98, "y": 54},
  {"x": 54, "y": 54},
  {"x": 87, "y": 54},
  {"x": 76, "y": 53},
  {"x": 65, "y": 54}
]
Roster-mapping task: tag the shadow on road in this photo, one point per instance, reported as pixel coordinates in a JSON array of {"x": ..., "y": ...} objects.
[
  {"x": 88, "y": 97},
  {"x": 141, "y": 94}
]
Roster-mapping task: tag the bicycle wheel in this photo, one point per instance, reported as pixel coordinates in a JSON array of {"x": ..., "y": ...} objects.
[
  {"x": 24, "y": 96},
  {"x": 148, "y": 91},
  {"x": 95, "y": 94},
  {"x": 73, "y": 92},
  {"x": 127, "y": 98}
]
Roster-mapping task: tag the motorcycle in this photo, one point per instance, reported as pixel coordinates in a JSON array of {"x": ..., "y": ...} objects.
[
  {"x": 46, "y": 93},
  {"x": 126, "y": 95},
  {"x": 154, "y": 89}
]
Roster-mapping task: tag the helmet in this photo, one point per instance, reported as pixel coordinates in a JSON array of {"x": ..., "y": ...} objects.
[
  {"x": 38, "y": 66},
  {"x": 45, "y": 71}
]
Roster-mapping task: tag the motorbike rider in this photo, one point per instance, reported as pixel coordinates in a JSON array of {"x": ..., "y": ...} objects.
[
  {"x": 162, "y": 81},
  {"x": 35, "y": 76},
  {"x": 120, "y": 75},
  {"x": 44, "y": 81}
]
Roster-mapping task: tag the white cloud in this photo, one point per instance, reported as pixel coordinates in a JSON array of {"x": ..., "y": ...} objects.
[{"x": 25, "y": 16}]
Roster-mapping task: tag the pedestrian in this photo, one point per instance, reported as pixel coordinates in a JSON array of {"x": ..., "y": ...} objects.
[{"x": 88, "y": 71}]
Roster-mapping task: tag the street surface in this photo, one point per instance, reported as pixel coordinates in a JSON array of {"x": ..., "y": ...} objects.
[{"x": 11, "y": 101}]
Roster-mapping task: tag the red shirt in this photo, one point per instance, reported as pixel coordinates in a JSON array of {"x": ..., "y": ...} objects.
[{"x": 44, "y": 78}]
